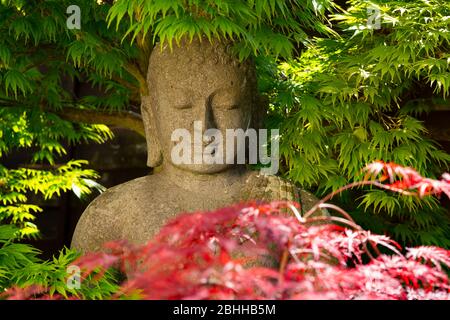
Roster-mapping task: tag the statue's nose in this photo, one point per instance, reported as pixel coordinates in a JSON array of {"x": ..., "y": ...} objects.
[
  {"x": 206, "y": 116},
  {"x": 203, "y": 122}
]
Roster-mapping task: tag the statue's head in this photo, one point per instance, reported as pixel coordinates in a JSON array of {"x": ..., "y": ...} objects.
[{"x": 192, "y": 82}]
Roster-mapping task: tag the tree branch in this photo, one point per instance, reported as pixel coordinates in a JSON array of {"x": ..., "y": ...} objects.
[
  {"x": 125, "y": 119},
  {"x": 137, "y": 74}
]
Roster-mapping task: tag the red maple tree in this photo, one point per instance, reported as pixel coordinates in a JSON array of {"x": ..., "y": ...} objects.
[{"x": 260, "y": 251}]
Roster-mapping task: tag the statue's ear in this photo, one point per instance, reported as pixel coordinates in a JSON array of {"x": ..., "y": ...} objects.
[{"x": 154, "y": 152}]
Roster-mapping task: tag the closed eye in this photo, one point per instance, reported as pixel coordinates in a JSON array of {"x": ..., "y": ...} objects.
[
  {"x": 183, "y": 106},
  {"x": 229, "y": 107}
]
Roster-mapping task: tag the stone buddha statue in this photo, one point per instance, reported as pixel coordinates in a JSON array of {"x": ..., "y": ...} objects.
[{"x": 201, "y": 83}]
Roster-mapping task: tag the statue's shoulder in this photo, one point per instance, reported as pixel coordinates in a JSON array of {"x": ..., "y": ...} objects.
[
  {"x": 273, "y": 188},
  {"x": 103, "y": 219},
  {"x": 127, "y": 192}
]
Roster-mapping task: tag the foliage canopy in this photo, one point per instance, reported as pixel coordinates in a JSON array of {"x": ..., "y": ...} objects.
[{"x": 343, "y": 93}]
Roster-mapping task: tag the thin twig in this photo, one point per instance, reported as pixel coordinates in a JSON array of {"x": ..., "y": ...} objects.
[
  {"x": 336, "y": 219},
  {"x": 354, "y": 185}
]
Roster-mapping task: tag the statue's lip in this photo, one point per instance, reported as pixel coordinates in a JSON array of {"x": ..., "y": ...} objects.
[
  {"x": 203, "y": 145},
  {"x": 200, "y": 149}
]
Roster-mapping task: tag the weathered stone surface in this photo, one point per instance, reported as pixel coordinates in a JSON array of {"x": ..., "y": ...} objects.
[{"x": 196, "y": 82}]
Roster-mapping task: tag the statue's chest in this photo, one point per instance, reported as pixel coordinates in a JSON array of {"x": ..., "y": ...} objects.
[{"x": 149, "y": 214}]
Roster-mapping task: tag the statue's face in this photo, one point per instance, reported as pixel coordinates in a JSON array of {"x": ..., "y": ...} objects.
[{"x": 216, "y": 95}]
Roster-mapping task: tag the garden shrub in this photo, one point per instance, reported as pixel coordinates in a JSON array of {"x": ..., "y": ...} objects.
[
  {"x": 351, "y": 100},
  {"x": 316, "y": 257}
]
